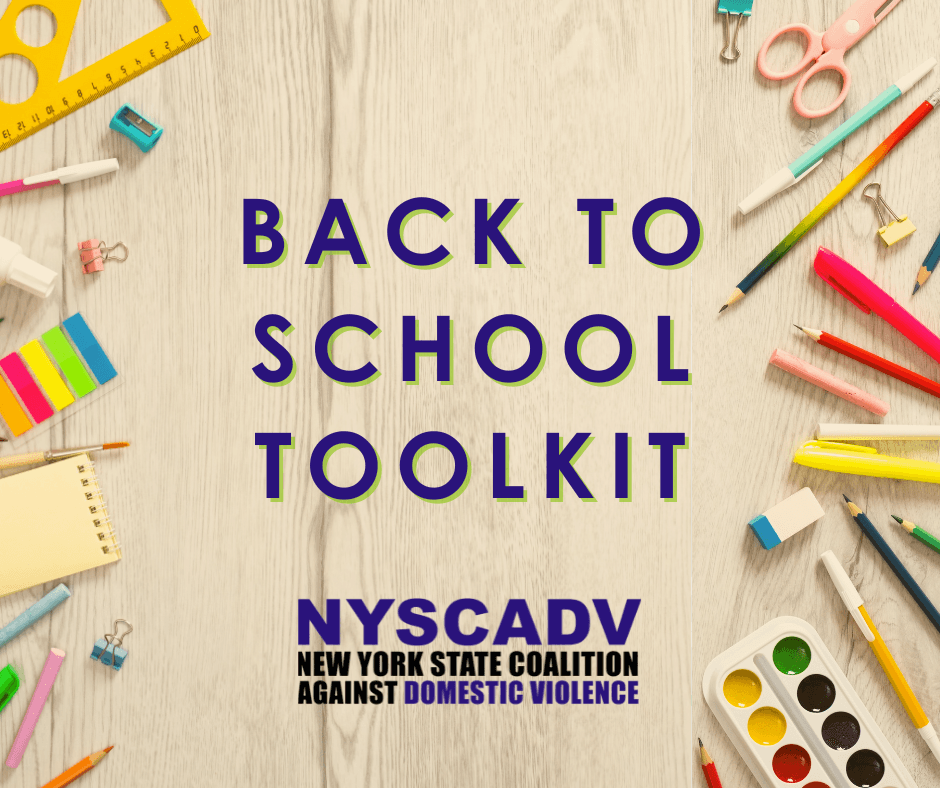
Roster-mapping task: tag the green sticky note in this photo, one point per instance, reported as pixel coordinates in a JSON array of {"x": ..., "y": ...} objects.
[{"x": 70, "y": 364}]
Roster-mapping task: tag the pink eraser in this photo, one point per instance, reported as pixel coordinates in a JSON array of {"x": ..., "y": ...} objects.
[
  {"x": 46, "y": 679},
  {"x": 832, "y": 384}
]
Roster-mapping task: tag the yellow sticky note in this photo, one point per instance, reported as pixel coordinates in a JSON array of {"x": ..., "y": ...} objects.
[{"x": 46, "y": 374}]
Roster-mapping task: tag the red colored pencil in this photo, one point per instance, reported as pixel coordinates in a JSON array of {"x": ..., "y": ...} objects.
[
  {"x": 708, "y": 768},
  {"x": 896, "y": 371}
]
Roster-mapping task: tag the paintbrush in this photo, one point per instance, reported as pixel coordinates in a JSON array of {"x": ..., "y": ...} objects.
[{"x": 55, "y": 454}]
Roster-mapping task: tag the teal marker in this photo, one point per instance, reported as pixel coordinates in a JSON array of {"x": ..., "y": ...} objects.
[{"x": 786, "y": 177}]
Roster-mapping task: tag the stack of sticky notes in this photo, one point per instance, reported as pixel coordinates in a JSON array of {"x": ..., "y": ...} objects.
[{"x": 48, "y": 374}]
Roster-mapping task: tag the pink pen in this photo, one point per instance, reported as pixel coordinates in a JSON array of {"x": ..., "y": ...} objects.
[
  {"x": 63, "y": 175},
  {"x": 46, "y": 679},
  {"x": 867, "y": 296}
]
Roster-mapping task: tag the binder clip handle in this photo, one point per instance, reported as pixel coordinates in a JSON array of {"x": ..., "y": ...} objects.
[
  {"x": 885, "y": 214},
  {"x": 115, "y": 640},
  {"x": 730, "y": 51},
  {"x": 109, "y": 257}
]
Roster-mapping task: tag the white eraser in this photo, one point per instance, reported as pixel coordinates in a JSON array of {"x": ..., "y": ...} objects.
[{"x": 786, "y": 518}]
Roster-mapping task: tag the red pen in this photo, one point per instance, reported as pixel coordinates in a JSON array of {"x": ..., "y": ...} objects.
[{"x": 848, "y": 281}]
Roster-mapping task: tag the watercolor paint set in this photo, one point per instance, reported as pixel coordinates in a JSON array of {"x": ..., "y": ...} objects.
[
  {"x": 793, "y": 715},
  {"x": 65, "y": 366}
]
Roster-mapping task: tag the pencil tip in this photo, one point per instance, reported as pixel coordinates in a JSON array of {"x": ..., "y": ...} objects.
[
  {"x": 847, "y": 499},
  {"x": 700, "y": 743},
  {"x": 722, "y": 309},
  {"x": 898, "y": 519},
  {"x": 798, "y": 328},
  {"x": 916, "y": 288},
  {"x": 108, "y": 749}
]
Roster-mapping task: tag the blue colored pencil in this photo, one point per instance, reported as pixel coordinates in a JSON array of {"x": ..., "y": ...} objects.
[
  {"x": 868, "y": 528},
  {"x": 33, "y": 613},
  {"x": 933, "y": 257}
]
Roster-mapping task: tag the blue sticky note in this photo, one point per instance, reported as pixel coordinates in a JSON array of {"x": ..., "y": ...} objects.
[{"x": 89, "y": 348}]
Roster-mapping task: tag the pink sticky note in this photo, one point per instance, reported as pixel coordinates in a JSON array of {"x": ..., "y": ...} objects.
[{"x": 26, "y": 387}]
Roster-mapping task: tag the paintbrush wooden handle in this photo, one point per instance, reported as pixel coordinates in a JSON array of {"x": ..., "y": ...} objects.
[{"x": 22, "y": 459}]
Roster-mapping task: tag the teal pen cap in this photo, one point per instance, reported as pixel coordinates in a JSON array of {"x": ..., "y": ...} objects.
[{"x": 9, "y": 684}]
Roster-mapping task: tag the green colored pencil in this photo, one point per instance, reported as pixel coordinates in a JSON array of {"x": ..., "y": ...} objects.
[{"x": 919, "y": 533}]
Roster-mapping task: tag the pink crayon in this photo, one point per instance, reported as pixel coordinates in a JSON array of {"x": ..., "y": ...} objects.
[
  {"x": 46, "y": 679},
  {"x": 832, "y": 384}
]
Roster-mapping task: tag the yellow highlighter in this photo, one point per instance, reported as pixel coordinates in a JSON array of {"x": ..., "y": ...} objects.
[
  {"x": 856, "y": 607},
  {"x": 864, "y": 461}
]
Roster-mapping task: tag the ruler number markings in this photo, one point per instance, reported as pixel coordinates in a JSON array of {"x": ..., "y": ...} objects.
[{"x": 85, "y": 95}]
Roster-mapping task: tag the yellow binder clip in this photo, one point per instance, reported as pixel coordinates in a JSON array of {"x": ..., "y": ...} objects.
[{"x": 891, "y": 231}]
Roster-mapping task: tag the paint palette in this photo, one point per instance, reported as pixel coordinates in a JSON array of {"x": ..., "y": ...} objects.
[
  {"x": 793, "y": 716},
  {"x": 45, "y": 376}
]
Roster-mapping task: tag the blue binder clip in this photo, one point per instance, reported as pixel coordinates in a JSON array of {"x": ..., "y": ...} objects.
[
  {"x": 108, "y": 649},
  {"x": 142, "y": 132}
]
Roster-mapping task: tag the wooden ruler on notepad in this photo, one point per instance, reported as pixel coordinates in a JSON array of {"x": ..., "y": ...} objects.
[{"x": 55, "y": 98}]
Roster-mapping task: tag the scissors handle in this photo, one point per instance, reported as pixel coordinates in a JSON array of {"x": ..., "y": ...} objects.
[
  {"x": 830, "y": 61},
  {"x": 814, "y": 48},
  {"x": 856, "y": 23}
]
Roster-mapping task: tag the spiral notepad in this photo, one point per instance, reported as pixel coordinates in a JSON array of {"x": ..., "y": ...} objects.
[{"x": 53, "y": 523}]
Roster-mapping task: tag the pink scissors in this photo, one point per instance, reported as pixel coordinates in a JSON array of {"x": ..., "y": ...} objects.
[{"x": 827, "y": 49}]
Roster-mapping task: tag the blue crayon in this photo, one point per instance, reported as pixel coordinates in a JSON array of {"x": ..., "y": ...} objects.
[{"x": 32, "y": 614}]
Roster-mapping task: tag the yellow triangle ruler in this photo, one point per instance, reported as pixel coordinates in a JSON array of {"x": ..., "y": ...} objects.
[{"x": 55, "y": 98}]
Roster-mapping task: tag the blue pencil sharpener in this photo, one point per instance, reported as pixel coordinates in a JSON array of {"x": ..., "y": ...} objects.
[{"x": 142, "y": 132}]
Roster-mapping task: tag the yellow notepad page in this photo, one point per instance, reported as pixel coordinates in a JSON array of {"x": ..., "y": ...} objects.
[{"x": 53, "y": 523}]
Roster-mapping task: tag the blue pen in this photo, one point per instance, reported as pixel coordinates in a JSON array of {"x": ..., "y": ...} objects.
[{"x": 786, "y": 177}]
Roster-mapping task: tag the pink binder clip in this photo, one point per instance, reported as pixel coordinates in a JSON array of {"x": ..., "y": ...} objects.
[{"x": 94, "y": 254}]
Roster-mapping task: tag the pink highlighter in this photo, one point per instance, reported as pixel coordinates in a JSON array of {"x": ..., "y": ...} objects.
[{"x": 867, "y": 296}]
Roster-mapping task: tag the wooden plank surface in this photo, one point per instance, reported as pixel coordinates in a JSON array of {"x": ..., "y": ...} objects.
[
  {"x": 749, "y": 418},
  {"x": 371, "y": 102}
]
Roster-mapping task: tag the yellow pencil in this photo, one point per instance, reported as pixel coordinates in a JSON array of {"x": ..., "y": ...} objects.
[{"x": 856, "y": 606}]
